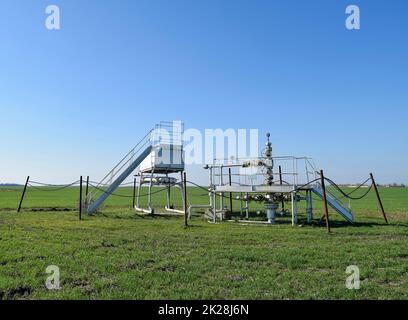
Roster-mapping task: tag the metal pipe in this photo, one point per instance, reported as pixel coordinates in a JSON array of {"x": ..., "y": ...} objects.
[
  {"x": 247, "y": 207},
  {"x": 326, "y": 209},
  {"x": 23, "y": 194},
  {"x": 294, "y": 209},
  {"x": 138, "y": 190},
  {"x": 150, "y": 193},
  {"x": 309, "y": 206},
  {"x": 185, "y": 200},
  {"x": 80, "y": 198},
  {"x": 215, "y": 207},
  {"x": 230, "y": 183},
  {"x": 378, "y": 198},
  {"x": 134, "y": 192},
  {"x": 168, "y": 193},
  {"x": 222, "y": 206},
  {"x": 281, "y": 182}
]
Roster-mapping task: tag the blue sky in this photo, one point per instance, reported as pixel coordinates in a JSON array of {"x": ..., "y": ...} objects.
[{"x": 74, "y": 101}]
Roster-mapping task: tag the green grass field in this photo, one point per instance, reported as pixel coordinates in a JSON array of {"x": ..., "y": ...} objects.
[{"x": 118, "y": 254}]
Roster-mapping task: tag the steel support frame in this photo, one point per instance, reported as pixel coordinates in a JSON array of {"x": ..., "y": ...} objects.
[{"x": 150, "y": 209}]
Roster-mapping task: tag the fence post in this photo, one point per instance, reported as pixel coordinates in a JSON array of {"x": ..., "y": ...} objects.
[
  {"x": 80, "y": 198},
  {"x": 281, "y": 182},
  {"x": 326, "y": 209},
  {"x": 23, "y": 194},
  {"x": 185, "y": 199},
  {"x": 378, "y": 198},
  {"x": 134, "y": 192}
]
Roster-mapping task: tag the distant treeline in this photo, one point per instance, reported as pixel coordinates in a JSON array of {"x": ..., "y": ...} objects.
[
  {"x": 390, "y": 185},
  {"x": 394, "y": 185}
]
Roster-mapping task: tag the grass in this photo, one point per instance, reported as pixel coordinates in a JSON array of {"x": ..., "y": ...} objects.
[{"x": 118, "y": 254}]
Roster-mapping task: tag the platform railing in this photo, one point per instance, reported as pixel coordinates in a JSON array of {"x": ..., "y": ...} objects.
[{"x": 254, "y": 175}]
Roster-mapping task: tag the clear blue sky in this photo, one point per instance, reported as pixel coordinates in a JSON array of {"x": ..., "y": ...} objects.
[{"x": 74, "y": 101}]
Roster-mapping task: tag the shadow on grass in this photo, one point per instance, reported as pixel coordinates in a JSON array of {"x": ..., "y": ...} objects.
[
  {"x": 129, "y": 214},
  {"x": 344, "y": 224}
]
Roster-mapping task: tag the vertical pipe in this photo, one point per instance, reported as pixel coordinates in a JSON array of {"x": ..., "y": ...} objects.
[
  {"x": 222, "y": 206},
  {"x": 230, "y": 183},
  {"x": 247, "y": 207},
  {"x": 241, "y": 209},
  {"x": 326, "y": 209},
  {"x": 281, "y": 182},
  {"x": 309, "y": 206},
  {"x": 210, "y": 188},
  {"x": 23, "y": 194},
  {"x": 150, "y": 193},
  {"x": 134, "y": 193},
  {"x": 221, "y": 195},
  {"x": 378, "y": 197},
  {"x": 294, "y": 209},
  {"x": 139, "y": 188},
  {"x": 215, "y": 206},
  {"x": 182, "y": 189},
  {"x": 185, "y": 199},
  {"x": 168, "y": 193},
  {"x": 297, "y": 176},
  {"x": 80, "y": 198}
]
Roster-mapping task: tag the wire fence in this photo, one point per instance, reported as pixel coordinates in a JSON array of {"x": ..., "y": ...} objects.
[{"x": 333, "y": 189}]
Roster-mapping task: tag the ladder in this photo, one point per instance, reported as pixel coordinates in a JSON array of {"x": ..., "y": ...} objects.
[{"x": 119, "y": 173}]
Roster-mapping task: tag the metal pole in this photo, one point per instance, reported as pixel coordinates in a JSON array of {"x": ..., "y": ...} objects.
[
  {"x": 247, "y": 207},
  {"x": 281, "y": 182},
  {"x": 378, "y": 198},
  {"x": 80, "y": 198},
  {"x": 134, "y": 192},
  {"x": 22, "y": 196},
  {"x": 182, "y": 189},
  {"x": 150, "y": 205},
  {"x": 230, "y": 183},
  {"x": 215, "y": 206},
  {"x": 294, "y": 208},
  {"x": 87, "y": 187},
  {"x": 185, "y": 199},
  {"x": 168, "y": 195},
  {"x": 139, "y": 188},
  {"x": 241, "y": 209},
  {"x": 309, "y": 206},
  {"x": 326, "y": 209}
]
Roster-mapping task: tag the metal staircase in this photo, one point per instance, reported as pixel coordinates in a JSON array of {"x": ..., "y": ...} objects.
[
  {"x": 119, "y": 173},
  {"x": 333, "y": 202}
]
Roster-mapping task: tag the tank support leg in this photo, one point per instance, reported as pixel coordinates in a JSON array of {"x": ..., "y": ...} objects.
[
  {"x": 138, "y": 191},
  {"x": 294, "y": 209},
  {"x": 309, "y": 206},
  {"x": 150, "y": 193},
  {"x": 168, "y": 194}
]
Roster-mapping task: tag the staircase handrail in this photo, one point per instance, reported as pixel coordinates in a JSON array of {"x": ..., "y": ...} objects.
[{"x": 138, "y": 145}]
